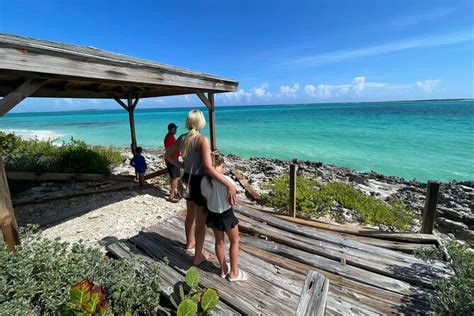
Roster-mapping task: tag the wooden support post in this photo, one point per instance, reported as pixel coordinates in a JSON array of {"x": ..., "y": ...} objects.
[
  {"x": 313, "y": 296},
  {"x": 7, "y": 215},
  {"x": 429, "y": 212},
  {"x": 292, "y": 188},
  {"x": 131, "y": 118},
  {"x": 212, "y": 121}
]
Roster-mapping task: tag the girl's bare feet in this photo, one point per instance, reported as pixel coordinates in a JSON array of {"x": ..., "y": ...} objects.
[{"x": 200, "y": 258}]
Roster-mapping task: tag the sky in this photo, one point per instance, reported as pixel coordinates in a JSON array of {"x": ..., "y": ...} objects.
[{"x": 281, "y": 52}]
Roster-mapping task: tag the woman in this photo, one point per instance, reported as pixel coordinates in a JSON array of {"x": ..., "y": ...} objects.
[{"x": 196, "y": 154}]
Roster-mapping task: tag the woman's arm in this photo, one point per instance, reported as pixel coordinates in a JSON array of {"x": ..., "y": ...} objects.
[
  {"x": 170, "y": 155},
  {"x": 209, "y": 169}
]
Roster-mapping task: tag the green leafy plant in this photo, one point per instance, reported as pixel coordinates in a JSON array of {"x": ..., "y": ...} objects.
[
  {"x": 85, "y": 299},
  {"x": 318, "y": 199},
  {"x": 36, "y": 279},
  {"x": 75, "y": 156},
  {"x": 196, "y": 301},
  {"x": 453, "y": 296}
]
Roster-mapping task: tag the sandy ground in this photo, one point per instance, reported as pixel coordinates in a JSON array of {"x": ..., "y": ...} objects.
[{"x": 103, "y": 217}]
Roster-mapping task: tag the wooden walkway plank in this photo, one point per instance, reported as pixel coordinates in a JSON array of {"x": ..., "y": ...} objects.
[
  {"x": 312, "y": 233},
  {"x": 413, "y": 273},
  {"x": 169, "y": 276},
  {"x": 342, "y": 300},
  {"x": 356, "y": 293},
  {"x": 314, "y": 295},
  {"x": 245, "y": 297}
]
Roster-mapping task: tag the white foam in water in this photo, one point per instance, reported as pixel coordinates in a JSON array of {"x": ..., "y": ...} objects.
[{"x": 28, "y": 134}]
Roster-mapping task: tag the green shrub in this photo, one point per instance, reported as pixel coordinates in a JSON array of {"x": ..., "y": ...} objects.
[
  {"x": 33, "y": 155},
  {"x": 36, "y": 279},
  {"x": 318, "y": 199},
  {"x": 196, "y": 301},
  {"x": 453, "y": 296}
]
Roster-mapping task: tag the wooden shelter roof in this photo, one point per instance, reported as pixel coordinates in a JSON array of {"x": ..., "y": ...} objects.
[{"x": 72, "y": 71}]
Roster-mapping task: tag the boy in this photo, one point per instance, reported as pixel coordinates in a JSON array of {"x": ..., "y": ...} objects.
[{"x": 139, "y": 163}]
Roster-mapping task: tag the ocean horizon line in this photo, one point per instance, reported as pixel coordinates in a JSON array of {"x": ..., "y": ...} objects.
[{"x": 247, "y": 105}]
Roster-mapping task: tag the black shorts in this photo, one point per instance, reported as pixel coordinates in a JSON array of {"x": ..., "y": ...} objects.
[
  {"x": 222, "y": 221},
  {"x": 195, "y": 191},
  {"x": 173, "y": 171}
]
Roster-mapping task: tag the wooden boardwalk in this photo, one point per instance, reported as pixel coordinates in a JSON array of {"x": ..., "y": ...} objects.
[{"x": 366, "y": 275}]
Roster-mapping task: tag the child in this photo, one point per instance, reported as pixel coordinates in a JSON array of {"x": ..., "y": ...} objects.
[
  {"x": 139, "y": 163},
  {"x": 221, "y": 219}
]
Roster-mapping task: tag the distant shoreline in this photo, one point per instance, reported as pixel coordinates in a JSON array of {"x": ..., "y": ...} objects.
[{"x": 248, "y": 105}]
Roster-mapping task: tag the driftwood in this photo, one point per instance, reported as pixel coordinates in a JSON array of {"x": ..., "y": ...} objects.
[
  {"x": 156, "y": 174},
  {"x": 249, "y": 190},
  {"x": 65, "y": 176},
  {"x": 313, "y": 296}
]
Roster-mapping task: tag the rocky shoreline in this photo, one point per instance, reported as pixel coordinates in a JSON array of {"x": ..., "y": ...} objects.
[{"x": 455, "y": 215}]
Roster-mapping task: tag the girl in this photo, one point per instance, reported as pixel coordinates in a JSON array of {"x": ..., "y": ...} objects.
[
  {"x": 221, "y": 219},
  {"x": 196, "y": 154}
]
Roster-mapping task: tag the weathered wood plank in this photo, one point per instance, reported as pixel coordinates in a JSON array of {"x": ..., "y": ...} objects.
[
  {"x": 245, "y": 297},
  {"x": 347, "y": 296},
  {"x": 39, "y": 176},
  {"x": 313, "y": 295},
  {"x": 8, "y": 223},
  {"x": 156, "y": 174},
  {"x": 64, "y": 64},
  {"x": 420, "y": 274},
  {"x": 9, "y": 101},
  {"x": 169, "y": 276},
  {"x": 429, "y": 211},
  {"x": 408, "y": 237},
  {"x": 108, "y": 187},
  {"x": 312, "y": 233},
  {"x": 342, "y": 289}
]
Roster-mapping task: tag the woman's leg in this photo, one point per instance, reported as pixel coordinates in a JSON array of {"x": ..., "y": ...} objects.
[
  {"x": 200, "y": 235},
  {"x": 234, "y": 239},
  {"x": 220, "y": 250},
  {"x": 189, "y": 224}
]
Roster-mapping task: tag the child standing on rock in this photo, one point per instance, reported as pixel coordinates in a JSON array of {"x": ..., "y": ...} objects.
[
  {"x": 221, "y": 219},
  {"x": 139, "y": 163}
]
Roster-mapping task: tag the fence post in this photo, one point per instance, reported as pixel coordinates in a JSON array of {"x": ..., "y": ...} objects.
[
  {"x": 292, "y": 200},
  {"x": 429, "y": 212}
]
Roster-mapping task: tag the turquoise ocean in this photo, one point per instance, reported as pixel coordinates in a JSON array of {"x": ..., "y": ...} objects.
[{"x": 422, "y": 139}]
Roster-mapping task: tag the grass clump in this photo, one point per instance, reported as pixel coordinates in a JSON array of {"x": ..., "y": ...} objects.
[
  {"x": 453, "y": 296},
  {"x": 75, "y": 156},
  {"x": 318, "y": 199},
  {"x": 36, "y": 279}
]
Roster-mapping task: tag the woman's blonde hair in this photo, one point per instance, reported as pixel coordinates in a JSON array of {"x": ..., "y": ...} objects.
[{"x": 194, "y": 123}]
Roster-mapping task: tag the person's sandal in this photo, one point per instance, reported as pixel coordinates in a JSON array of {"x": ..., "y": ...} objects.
[
  {"x": 241, "y": 276},
  {"x": 228, "y": 271},
  {"x": 173, "y": 200}
]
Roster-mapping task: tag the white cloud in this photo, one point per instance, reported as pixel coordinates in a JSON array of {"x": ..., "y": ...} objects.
[
  {"x": 428, "y": 85},
  {"x": 287, "y": 91},
  {"x": 261, "y": 91},
  {"x": 350, "y": 54}
]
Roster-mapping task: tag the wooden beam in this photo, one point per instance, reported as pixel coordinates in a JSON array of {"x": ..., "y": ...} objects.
[
  {"x": 204, "y": 100},
  {"x": 116, "y": 98},
  {"x": 156, "y": 174},
  {"x": 212, "y": 121},
  {"x": 137, "y": 98},
  {"x": 39, "y": 176},
  {"x": 7, "y": 215},
  {"x": 314, "y": 295},
  {"x": 15, "y": 97},
  {"x": 249, "y": 190},
  {"x": 69, "y": 64}
]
